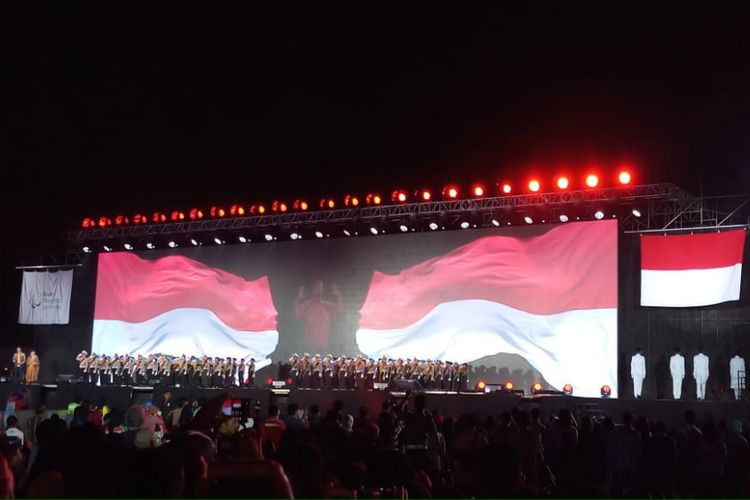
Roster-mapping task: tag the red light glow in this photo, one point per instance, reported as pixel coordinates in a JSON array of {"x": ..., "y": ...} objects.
[
  {"x": 624, "y": 177},
  {"x": 477, "y": 190},
  {"x": 563, "y": 183},
  {"x": 534, "y": 185},
  {"x": 592, "y": 180},
  {"x": 450, "y": 192},
  {"x": 506, "y": 188}
]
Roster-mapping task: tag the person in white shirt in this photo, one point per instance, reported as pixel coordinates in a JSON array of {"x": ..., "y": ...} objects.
[
  {"x": 637, "y": 371},
  {"x": 700, "y": 373},
  {"x": 12, "y": 431},
  {"x": 677, "y": 368},
  {"x": 737, "y": 375}
]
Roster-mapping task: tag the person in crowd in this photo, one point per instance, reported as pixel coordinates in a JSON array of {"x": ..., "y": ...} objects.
[
  {"x": 273, "y": 428},
  {"x": 12, "y": 432}
]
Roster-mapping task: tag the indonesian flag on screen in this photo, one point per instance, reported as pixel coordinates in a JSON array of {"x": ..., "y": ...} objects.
[
  {"x": 551, "y": 299},
  {"x": 691, "y": 269},
  {"x": 176, "y": 305}
]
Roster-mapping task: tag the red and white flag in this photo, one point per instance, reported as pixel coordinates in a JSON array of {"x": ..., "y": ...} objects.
[
  {"x": 176, "y": 305},
  {"x": 551, "y": 299},
  {"x": 691, "y": 270}
]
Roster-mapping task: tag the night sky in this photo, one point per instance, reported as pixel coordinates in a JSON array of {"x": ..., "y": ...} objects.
[{"x": 108, "y": 109}]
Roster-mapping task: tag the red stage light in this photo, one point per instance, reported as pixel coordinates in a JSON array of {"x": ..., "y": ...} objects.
[
  {"x": 87, "y": 223},
  {"x": 351, "y": 201},
  {"x": 261, "y": 209},
  {"x": 477, "y": 190},
  {"x": 399, "y": 196},
  {"x": 177, "y": 215},
  {"x": 279, "y": 206},
  {"x": 536, "y": 388},
  {"x": 217, "y": 212},
  {"x": 120, "y": 220},
  {"x": 508, "y": 386},
  {"x": 196, "y": 214},
  {"x": 159, "y": 217},
  {"x": 481, "y": 385},
  {"x": 624, "y": 177},
  {"x": 563, "y": 182},
  {"x": 534, "y": 185},
  {"x": 373, "y": 199},
  {"x": 451, "y": 192},
  {"x": 138, "y": 219},
  {"x": 300, "y": 205},
  {"x": 328, "y": 203},
  {"x": 425, "y": 195},
  {"x": 592, "y": 180},
  {"x": 506, "y": 188},
  {"x": 568, "y": 389},
  {"x": 606, "y": 391}
]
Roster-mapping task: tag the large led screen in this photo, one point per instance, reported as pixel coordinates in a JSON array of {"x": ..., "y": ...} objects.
[{"x": 542, "y": 297}]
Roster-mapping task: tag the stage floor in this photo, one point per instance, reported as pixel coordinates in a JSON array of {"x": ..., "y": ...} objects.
[{"x": 454, "y": 404}]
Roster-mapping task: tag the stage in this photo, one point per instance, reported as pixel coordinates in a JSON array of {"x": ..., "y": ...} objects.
[{"x": 57, "y": 397}]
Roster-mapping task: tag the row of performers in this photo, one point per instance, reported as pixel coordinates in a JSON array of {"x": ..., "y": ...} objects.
[
  {"x": 166, "y": 370},
  {"x": 329, "y": 372}
]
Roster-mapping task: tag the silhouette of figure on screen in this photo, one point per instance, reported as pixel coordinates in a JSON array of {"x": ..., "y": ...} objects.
[{"x": 316, "y": 311}]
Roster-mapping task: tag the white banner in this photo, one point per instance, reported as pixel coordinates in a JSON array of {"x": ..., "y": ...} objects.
[{"x": 45, "y": 298}]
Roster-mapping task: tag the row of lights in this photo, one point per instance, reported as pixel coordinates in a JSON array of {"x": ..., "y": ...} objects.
[
  {"x": 449, "y": 192},
  {"x": 536, "y": 389}
]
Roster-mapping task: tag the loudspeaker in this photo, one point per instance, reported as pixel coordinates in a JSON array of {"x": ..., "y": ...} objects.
[{"x": 404, "y": 385}]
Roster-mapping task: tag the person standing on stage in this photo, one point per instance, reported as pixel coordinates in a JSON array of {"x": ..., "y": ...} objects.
[
  {"x": 677, "y": 368},
  {"x": 317, "y": 313},
  {"x": 80, "y": 359},
  {"x": 700, "y": 373},
  {"x": 637, "y": 372},
  {"x": 19, "y": 363},
  {"x": 32, "y": 368},
  {"x": 250, "y": 377},
  {"x": 737, "y": 375}
]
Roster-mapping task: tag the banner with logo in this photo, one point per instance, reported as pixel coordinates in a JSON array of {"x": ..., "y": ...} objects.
[{"x": 45, "y": 298}]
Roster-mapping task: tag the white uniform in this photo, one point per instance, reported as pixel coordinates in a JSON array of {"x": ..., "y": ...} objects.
[
  {"x": 638, "y": 372},
  {"x": 737, "y": 375},
  {"x": 677, "y": 367},
  {"x": 700, "y": 373}
]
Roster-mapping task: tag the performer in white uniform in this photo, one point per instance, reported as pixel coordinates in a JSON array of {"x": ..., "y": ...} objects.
[
  {"x": 637, "y": 371},
  {"x": 700, "y": 373},
  {"x": 737, "y": 375},
  {"x": 677, "y": 367}
]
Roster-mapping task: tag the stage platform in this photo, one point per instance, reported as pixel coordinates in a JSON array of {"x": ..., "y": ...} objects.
[{"x": 57, "y": 397}]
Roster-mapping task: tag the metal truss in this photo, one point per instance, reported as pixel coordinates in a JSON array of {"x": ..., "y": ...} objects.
[{"x": 483, "y": 212}]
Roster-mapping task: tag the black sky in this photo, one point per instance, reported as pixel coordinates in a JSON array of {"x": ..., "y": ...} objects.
[{"x": 111, "y": 108}]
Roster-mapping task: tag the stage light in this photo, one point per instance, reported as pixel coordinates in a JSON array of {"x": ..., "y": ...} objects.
[
  {"x": 172, "y": 244},
  {"x": 87, "y": 223},
  {"x": 194, "y": 242},
  {"x": 373, "y": 199},
  {"x": 481, "y": 386},
  {"x": 495, "y": 222},
  {"x": 347, "y": 233},
  {"x": 318, "y": 234},
  {"x": 534, "y": 185},
  {"x": 150, "y": 245},
  {"x": 451, "y": 192},
  {"x": 140, "y": 219},
  {"x": 563, "y": 218},
  {"x": 268, "y": 237},
  {"x": 508, "y": 386},
  {"x": 374, "y": 230},
  {"x": 536, "y": 388},
  {"x": 477, "y": 190},
  {"x": 598, "y": 215},
  {"x": 217, "y": 240},
  {"x": 636, "y": 212},
  {"x": 624, "y": 177},
  {"x": 106, "y": 248},
  {"x": 399, "y": 196},
  {"x": 328, "y": 203},
  {"x": 563, "y": 183},
  {"x": 351, "y": 201},
  {"x": 279, "y": 206},
  {"x": 242, "y": 239},
  {"x": 592, "y": 180},
  {"x": 465, "y": 225},
  {"x": 294, "y": 236},
  {"x": 196, "y": 214},
  {"x": 217, "y": 212},
  {"x": 236, "y": 210},
  {"x": 425, "y": 195},
  {"x": 104, "y": 222},
  {"x": 86, "y": 250},
  {"x": 300, "y": 205},
  {"x": 127, "y": 246},
  {"x": 606, "y": 391},
  {"x": 261, "y": 209},
  {"x": 403, "y": 228},
  {"x": 506, "y": 188},
  {"x": 119, "y": 220},
  {"x": 568, "y": 390},
  {"x": 433, "y": 226},
  {"x": 528, "y": 220}
]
